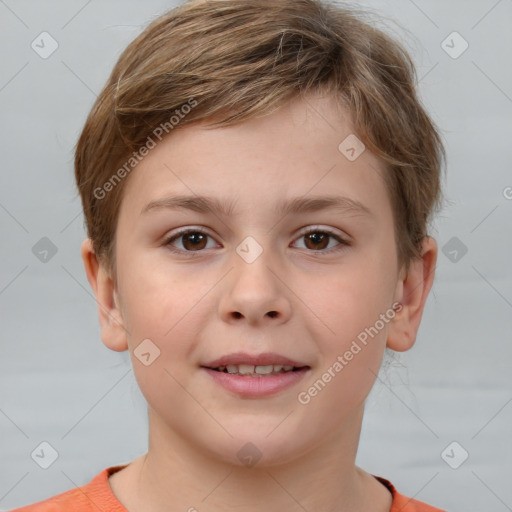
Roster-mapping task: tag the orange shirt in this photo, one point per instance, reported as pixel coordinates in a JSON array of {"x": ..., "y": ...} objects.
[{"x": 97, "y": 495}]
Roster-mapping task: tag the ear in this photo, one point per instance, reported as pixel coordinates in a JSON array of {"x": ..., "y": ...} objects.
[
  {"x": 412, "y": 292},
  {"x": 113, "y": 332}
]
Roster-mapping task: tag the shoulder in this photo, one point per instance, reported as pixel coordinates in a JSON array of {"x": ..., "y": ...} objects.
[
  {"x": 91, "y": 497},
  {"x": 402, "y": 503}
]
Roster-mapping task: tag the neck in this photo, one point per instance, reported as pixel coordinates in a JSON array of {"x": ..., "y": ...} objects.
[{"x": 175, "y": 471}]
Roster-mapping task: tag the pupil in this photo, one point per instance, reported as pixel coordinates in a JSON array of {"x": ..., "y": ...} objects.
[
  {"x": 195, "y": 238},
  {"x": 317, "y": 238}
]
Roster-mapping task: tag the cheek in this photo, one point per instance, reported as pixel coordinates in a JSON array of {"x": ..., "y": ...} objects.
[
  {"x": 355, "y": 313},
  {"x": 161, "y": 321},
  {"x": 350, "y": 300},
  {"x": 344, "y": 379},
  {"x": 155, "y": 299},
  {"x": 165, "y": 308}
]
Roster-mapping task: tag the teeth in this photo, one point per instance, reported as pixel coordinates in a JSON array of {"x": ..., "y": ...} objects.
[
  {"x": 265, "y": 370},
  {"x": 249, "y": 369},
  {"x": 244, "y": 369}
]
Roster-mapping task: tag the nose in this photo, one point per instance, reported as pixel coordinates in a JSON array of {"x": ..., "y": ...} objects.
[{"x": 256, "y": 293}]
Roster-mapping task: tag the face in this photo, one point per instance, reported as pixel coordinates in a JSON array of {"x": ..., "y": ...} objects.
[{"x": 302, "y": 284}]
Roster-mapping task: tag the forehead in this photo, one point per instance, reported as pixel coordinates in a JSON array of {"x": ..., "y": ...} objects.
[{"x": 299, "y": 150}]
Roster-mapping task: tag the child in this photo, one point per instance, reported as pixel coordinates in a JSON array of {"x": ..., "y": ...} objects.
[{"x": 284, "y": 142}]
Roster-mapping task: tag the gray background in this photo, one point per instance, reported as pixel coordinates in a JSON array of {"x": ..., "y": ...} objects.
[{"x": 59, "y": 383}]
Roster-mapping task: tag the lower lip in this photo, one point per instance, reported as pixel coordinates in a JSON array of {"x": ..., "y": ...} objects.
[{"x": 256, "y": 387}]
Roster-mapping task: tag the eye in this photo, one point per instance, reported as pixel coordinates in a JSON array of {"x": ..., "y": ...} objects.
[
  {"x": 193, "y": 240},
  {"x": 317, "y": 240}
]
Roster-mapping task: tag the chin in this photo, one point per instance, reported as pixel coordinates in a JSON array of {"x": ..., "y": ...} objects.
[{"x": 256, "y": 446}]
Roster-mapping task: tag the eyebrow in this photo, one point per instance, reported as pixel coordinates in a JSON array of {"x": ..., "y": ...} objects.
[{"x": 206, "y": 204}]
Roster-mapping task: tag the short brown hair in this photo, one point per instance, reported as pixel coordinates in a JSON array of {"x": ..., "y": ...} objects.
[{"x": 236, "y": 60}]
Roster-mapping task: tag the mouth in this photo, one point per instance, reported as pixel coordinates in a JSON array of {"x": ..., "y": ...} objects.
[
  {"x": 250, "y": 376},
  {"x": 260, "y": 365},
  {"x": 249, "y": 370}
]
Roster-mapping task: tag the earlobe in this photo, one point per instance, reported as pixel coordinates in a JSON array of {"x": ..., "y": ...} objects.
[
  {"x": 412, "y": 292},
  {"x": 113, "y": 331}
]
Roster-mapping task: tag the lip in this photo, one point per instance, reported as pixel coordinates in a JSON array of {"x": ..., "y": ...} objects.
[
  {"x": 263, "y": 359},
  {"x": 257, "y": 387}
]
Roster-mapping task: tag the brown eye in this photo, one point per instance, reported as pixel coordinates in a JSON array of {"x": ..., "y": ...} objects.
[
  {"x": 192, "y": 240},
  {"x": 317, "y": 240}
]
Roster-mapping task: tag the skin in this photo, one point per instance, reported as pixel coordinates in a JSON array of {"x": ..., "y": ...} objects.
[{"x": 195, "y": 309}]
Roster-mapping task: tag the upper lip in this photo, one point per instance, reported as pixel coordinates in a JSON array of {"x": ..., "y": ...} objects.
[{"x": 264, "y": 359}]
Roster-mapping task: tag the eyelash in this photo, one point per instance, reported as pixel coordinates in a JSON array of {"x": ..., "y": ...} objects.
[{"x": 343, "y": 244}]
